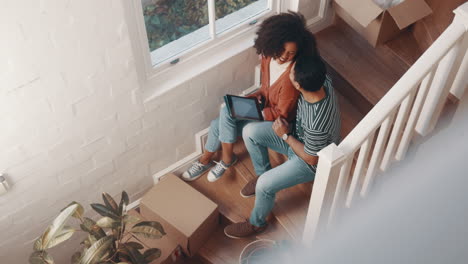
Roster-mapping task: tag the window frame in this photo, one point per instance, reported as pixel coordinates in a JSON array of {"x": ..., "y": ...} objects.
[{"x": 158, "y": 79}]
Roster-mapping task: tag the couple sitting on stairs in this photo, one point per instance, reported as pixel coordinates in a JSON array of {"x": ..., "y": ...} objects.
[{"x": 301, "y": 117}]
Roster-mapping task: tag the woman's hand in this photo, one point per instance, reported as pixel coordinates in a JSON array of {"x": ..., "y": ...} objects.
[
  {"x": 261, "y": 100},
  {"x": 280, "y": 126}
]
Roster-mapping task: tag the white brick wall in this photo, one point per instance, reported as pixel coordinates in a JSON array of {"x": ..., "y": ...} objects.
[{"x": 73, "y": 121}]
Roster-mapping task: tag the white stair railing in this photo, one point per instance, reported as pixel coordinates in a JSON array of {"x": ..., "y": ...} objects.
[{"x": 412, "y": 105}]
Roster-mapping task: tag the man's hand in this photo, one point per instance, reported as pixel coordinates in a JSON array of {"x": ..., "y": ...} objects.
[{"x": 280, "y": 126}]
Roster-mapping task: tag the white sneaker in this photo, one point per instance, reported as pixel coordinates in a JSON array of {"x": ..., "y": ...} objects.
[
  {"x": 218, "y": 170},
  {"x": 196, "y": 170}
]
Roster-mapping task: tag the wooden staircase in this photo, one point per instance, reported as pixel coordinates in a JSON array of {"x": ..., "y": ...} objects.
[
  {"x": 361, "y": 76},
  {"x": 288, "y": 217}
]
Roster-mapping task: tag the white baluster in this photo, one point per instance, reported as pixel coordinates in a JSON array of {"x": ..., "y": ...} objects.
[
  {"x": 461, "y": 79},
  {"x": 340, "y": 192},
  {"x": 413, "y": 118},
  {"x": 402, "y": 117},
  {"x": 377, "y": 154},
  {"x": 326, "y": 179},
  {"x": 439, "y": 90},
  {"x": 358, "y": 170}
]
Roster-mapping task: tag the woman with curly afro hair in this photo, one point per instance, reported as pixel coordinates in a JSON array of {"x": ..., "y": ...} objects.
[{"x": 280, "y": 40}]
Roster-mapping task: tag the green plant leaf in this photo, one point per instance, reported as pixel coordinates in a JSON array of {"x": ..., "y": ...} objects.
[
  {"x": 150, "y": 8},
  {"x": 75, "y": 259},
  {"x": 79, "y": 210},
  {"x": 89, "y": 241},
  {"x": 123, "y": 203},
  {"x": 130, "y": 219},
  {"x": 54, "y": 229},
  {"x": 149, "y": 229},
  {"x": 98, "y": 251},
  {"x": 110, "y": 202},
  {"x": 61, "y": 236},
  {"x": 135, "y": 256},
  {"x": 125, "y": 198},
  {"x": 117, "y": 232},
  {"x": 134, "y": 245},
  {"x": 152, "y": 254},
  {"x": 104, "y": 211},
  {"x": 92, "y": 228},
  {"x": 155, "y": 20},
  {"x": 40, "y": 257},
  {"x": 106, "y": 222}
]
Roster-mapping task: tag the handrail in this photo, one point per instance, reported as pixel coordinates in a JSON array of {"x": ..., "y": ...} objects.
[
  {"x": 413, "y": 104},
  {"x": 402, "y": 88}
]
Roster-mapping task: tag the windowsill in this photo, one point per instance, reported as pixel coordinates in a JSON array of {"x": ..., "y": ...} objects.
[
  {"x": 189, "y": 68},
  {"x": 233, "y": 20}
]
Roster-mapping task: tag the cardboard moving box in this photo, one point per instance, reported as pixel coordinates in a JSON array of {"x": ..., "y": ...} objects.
[
  {"x": 170, "y": 251},
  {"x": 187, "y": 216},
  {"x": 378, "y": 25}
]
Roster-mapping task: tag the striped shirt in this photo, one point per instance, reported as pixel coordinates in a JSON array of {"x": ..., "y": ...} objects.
[{"x": 318, "y": 124}]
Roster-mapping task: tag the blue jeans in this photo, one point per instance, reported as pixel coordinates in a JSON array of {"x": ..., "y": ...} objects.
[
  {"x": 224, "y": 129},
  {"x": 258, "y": 137}
]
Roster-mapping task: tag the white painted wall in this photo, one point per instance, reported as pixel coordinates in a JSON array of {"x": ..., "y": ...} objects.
[{"x": 73, "y": 122}]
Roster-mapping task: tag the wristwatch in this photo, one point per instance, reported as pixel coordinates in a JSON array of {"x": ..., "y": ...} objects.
[{"x": 285, "y": 136}]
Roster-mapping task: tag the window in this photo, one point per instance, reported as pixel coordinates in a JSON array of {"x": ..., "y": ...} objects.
[
  {"x": 175, "y": 26},
  {"x": 175, "y": 40}
]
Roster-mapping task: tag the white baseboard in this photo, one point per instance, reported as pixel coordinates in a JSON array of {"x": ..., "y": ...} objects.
[
  {"x": 319, "y": 23},
  {"x": 181, "y": 165},
  {"x": 133, "y": 205}
]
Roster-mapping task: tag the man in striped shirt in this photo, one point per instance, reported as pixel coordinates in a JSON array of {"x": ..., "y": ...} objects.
[{"x": 317, "y": 125}]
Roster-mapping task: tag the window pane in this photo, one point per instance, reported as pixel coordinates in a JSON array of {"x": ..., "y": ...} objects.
[
  {"x": 173, "y": 26},
  {"x": 230, "y": 13}
]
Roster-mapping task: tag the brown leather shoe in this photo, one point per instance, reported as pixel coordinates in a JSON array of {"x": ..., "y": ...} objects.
[
  {"x": 242, "y": 230},
  {"x": 249, "y": 188}
]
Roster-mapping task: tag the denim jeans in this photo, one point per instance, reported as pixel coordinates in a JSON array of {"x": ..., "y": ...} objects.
[
  {"x": 257, "y": 138},
  {"x": 224, "y": 129}
]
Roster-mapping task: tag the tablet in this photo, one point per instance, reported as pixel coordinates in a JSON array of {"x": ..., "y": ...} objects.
[{"x": 243, "y": 107}]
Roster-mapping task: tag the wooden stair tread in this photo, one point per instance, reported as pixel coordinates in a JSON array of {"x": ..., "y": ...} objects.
[
  {"x": 350, "y": 115},
  {"x": 428, "y": 29},
  {"x": 220, "y": 249},
  {"x": 226, "y": 193},
  {"x": 405, "y": 47},
  {"x": 371, "y": 71}
]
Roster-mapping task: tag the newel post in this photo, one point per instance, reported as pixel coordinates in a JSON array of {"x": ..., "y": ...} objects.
[{"x": 323, "y": 192}]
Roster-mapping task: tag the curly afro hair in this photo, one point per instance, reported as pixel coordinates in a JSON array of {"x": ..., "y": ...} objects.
[{"x": 276, "y": 30}]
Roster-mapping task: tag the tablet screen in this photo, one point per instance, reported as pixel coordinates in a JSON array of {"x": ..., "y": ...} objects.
[{"x": 245, "y": 107}]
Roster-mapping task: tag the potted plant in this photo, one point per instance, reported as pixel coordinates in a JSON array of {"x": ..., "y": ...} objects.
[{"x": 108, "y": 239}]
